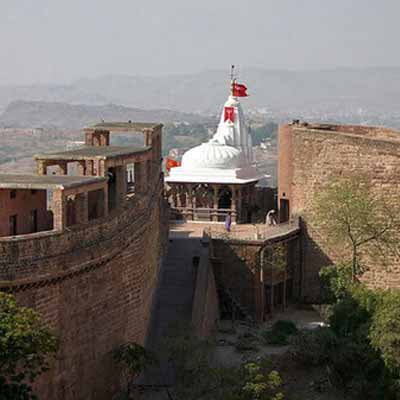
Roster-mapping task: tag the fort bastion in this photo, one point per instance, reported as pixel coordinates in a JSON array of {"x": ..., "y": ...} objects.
[{"x": 84, "y": 250}]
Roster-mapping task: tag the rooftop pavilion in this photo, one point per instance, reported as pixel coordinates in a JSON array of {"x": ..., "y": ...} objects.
[
  {"x": 93, "y": 152},
  {"x": 75, "y": 186},
  {"x": 36, "y": 203},
  {"x": 218, "y": 177},
  {"x": 125, "y": 126}
]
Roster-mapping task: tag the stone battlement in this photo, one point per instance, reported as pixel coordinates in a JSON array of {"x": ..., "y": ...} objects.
[
  {"x": 366, "y": 132},
  {"x": 81, "y": 242}
]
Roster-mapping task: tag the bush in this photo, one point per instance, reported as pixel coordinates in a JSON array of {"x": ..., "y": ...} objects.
[
  {"x": 314, "y": 347},
  {"x": 26, "y": 347},
  {"x": 280, "y": 332},
  {"x": 352, "y": 314}
]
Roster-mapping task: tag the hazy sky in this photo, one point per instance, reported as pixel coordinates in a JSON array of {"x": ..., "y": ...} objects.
[{"x": 62, "y": 40}]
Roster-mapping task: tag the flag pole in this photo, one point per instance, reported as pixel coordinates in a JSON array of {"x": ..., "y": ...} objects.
[{"x": 232, "y": 78}]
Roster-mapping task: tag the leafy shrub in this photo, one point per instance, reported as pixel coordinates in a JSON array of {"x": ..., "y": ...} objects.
[
  {"x": 280, "y": 332},
  {"x": 335, "y": 282},
  {"x": 353, "y": 312},
  {"x": 314, "y": 347},
  {"x": 25, "y": 346}
]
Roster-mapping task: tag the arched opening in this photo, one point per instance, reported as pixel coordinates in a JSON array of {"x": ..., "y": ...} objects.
[{"x": 224, "y": 198}]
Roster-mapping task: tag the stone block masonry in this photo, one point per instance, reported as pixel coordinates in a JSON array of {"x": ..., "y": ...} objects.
[
  {"x": 310, "y": 156},
  {"x": 94, "y": 286}
]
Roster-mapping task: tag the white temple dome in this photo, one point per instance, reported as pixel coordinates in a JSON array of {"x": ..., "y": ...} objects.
[
  {"x": 212, "y": 155},
  {"x": 227, "y": 158}
]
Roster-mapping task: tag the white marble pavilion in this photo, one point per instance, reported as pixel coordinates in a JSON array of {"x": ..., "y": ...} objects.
[{"x": 219, "y": 176}]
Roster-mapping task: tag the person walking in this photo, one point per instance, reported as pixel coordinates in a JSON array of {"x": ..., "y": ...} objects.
[{"x": 228, "y": 222}]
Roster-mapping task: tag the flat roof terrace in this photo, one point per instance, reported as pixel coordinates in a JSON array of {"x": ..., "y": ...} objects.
[
  {"x": 44, "y": 182},
  {"x": 93, "y": 152},
  {"x": 125, "y": 126}
]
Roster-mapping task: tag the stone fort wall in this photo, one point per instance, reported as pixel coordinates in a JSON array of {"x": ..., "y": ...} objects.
[
  {"x": 310, "y": 156},
  {"x": 94, "y": 286}
]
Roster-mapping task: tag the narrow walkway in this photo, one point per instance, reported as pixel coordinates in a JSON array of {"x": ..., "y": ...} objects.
[{"x": 174, "y": 298}]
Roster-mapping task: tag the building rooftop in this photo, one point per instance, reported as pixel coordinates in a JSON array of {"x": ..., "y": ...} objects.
[
  {"x": 43, "y": 182},
  {"x": 125, "y": 126},
  {"x": 90, "y": 152}
]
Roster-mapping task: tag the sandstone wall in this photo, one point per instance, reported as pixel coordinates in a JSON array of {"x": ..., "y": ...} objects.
[
  {"x": 94, "y": 286},
  {"x": 24, "y": 202},
  {"x": 205, "y": 312},
  {"x": 247, "y": 268},
  {"x": 315, "y": 155}
]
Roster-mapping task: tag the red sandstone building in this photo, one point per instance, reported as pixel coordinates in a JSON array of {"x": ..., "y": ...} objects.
[{"x": 84, "y": 250}]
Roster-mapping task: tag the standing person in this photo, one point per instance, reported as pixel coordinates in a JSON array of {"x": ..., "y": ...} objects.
[
  {"x": 270, "y": 218},
  {"x": 228, "y": 222}
]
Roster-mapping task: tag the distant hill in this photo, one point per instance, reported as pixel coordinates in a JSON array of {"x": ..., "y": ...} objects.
[
  {"x": 22, "y": 114},
  {"x": 375, "y": 89}
]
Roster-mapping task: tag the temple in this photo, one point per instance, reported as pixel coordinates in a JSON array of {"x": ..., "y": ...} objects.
[{"x": 217, "y": 177}]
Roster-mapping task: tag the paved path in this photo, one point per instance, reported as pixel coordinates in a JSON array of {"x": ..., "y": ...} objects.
[
  {"x": 238, "y": 231},
  {"x": 173, "y": 301}
]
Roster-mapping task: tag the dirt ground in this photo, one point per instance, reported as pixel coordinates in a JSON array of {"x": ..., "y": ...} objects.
[{"x": 299, "y": 383}]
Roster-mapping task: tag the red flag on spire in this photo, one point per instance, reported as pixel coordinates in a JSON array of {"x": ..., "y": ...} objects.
[
  {"x": 171, "y": 163},
  {"x": 239, "y": 90}
]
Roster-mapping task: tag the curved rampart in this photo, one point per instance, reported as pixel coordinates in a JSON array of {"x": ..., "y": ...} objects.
[{"x": 94, "y": 286}]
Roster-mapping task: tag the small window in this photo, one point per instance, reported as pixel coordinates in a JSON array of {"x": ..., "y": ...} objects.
[{"x": 13, "y": 194}]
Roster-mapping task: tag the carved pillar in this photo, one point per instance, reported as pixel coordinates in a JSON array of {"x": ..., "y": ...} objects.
[
  {"x": 233, "y": 203},
  {"x": 196, "y": 191},
  {"x": 89, "y": 168},
  {"x": 63, "y": 168},
  {"x": 41, "y": 167},
  {"x": 147, "y": 137},
  {"x": 215, "y": 203},
  {"x": 239, "y": 205},
  {"x": 178, "y": 196},
  {"x": 104, "y": 138},
  {"x": 81, "y": 168},
  {"x": 172, "y": 197},
  {"x": 189, "y": 202}
]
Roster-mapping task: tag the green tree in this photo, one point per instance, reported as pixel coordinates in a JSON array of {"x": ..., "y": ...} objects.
[
  {"x": 385, "y": 329},
  {"x": 364, "y": 223},
  {"x": 134, "y": 359},
  {"x": 26, "y": 345}
]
